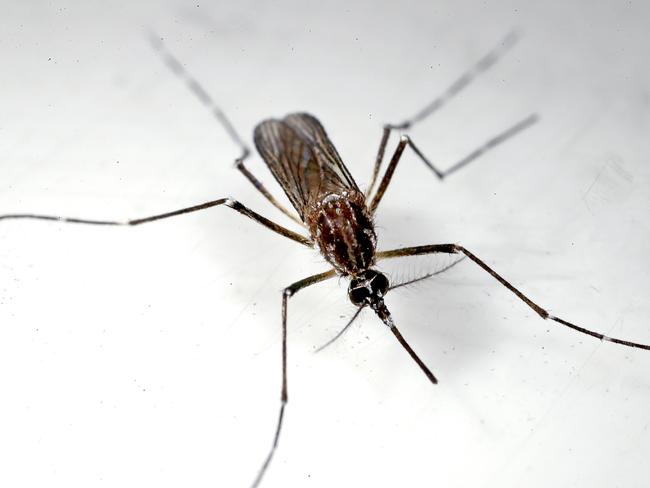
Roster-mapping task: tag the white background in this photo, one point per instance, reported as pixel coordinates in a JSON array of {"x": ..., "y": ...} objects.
[{"x": 151, "y": 356}]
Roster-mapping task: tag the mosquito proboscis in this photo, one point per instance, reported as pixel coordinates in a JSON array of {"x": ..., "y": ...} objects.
[{"x": 335, "y": 213}]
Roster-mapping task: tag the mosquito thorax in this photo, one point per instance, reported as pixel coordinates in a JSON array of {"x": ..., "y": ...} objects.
[
  {"x": 368, "y": 288},
  {"x": 341, "y": 227}
]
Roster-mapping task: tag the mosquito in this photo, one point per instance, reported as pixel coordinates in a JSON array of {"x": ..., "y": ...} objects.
[{"x": 335, "y": 213}]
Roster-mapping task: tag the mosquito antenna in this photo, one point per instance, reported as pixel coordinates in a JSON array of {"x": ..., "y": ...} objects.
[
  {"x": 199, "y": 91},
  {"x": 405, "y": 283},
  {"x": 342, "y": 331},
  {"x": 485, "y": 63}
]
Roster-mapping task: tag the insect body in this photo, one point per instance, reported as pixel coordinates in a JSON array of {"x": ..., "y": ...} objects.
[
  {"x": 309, "y": 169},
  {"x": 307, "y": 166},
  {"x": 343, "y": 231},
  {"x": 335, "y": 213}
]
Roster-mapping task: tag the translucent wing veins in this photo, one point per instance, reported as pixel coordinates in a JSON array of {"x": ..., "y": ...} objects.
[{"x": 302, "y": 159}]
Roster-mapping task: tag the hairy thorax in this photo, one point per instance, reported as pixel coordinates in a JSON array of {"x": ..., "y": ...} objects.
[{"x": 342, "y": 229}]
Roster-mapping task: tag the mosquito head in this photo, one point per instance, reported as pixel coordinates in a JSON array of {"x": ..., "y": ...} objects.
[{"x": 368, "y": 288}]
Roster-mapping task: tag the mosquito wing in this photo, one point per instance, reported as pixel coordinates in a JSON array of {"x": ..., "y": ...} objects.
[{"x": 303, "y": 159}]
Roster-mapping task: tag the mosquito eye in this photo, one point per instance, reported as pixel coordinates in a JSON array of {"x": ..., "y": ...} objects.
[
  {"x": 380, "y": 285},
  {"x": 358, "y": 295}
]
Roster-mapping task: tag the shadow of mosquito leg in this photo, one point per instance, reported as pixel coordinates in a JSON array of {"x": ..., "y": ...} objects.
[
  {"x": 485, "y": 63},
  {"x": 207, "y": 101},
  {"x": 457, "y": 249},
  {"x": 229, "y": 202},
  {"x": 286, "y": 294},
  {"x": 486, "y": 146}
]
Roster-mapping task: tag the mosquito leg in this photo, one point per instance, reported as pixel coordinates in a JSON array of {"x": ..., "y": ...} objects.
[
  {"x": 379, "y": 159},
  {"x": 406, "y": 141},
  {"x": 485, "y": 63},
  {"x": 229, "y": 202},
  {"x": 239, "y": 164},
  {"x": 286, "y": 294},
  {"x": 456, "y": 249},
  {"x": 197, "y": 89},
  {"x": 479, "y": 151},
  {"x": 207, "y": 101}
]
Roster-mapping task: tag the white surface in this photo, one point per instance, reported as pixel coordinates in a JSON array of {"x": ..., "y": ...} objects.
[{"x": 150, "y": 356}]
